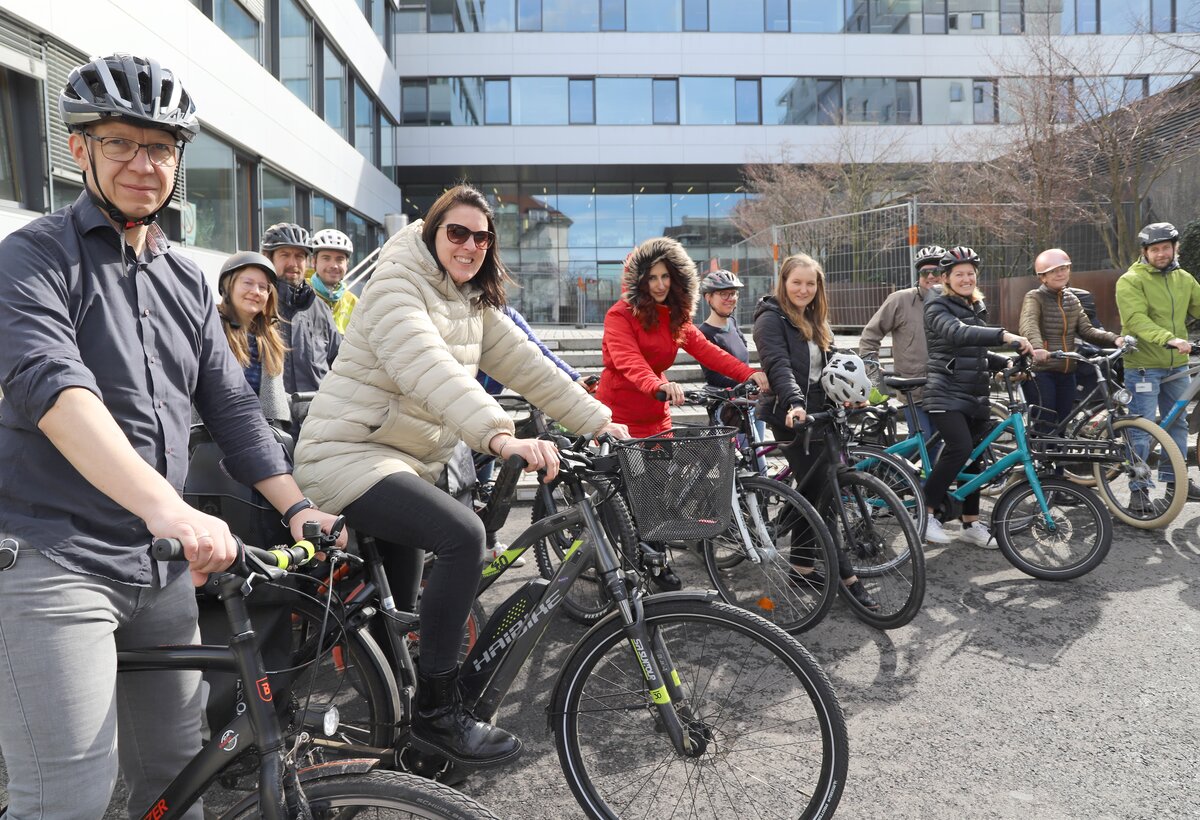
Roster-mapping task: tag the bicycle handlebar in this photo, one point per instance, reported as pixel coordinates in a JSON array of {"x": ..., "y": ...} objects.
[
  {"x": 745, "y": 390},
  {"x": 284, "y": 558}
]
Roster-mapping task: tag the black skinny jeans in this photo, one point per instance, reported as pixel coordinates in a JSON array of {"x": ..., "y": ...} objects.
[
  {"x": 959, "y": 432},
  {"x": 408, "y": 516}
]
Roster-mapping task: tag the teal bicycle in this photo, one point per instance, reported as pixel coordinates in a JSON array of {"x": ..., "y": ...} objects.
[{"x": 1046, "y": 526}]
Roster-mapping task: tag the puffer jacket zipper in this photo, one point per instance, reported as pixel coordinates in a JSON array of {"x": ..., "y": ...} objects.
[{"x": 1066, "y": 362}]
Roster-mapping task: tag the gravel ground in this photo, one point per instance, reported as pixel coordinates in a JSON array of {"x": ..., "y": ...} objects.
[{"x": 1006, "y": 697}]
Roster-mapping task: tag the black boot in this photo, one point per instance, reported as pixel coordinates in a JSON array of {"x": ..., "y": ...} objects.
[{"x": 442, "y": 721}]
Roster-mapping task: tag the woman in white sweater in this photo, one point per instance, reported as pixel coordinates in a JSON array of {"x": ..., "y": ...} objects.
[{"x": 401, "y": 394}]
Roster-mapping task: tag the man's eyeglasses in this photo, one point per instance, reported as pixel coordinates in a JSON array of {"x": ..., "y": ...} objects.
[
  {"x": 458, "y": 235},
  {"x": 930, "y": 271},
  {"x": 119, "y": 149}
]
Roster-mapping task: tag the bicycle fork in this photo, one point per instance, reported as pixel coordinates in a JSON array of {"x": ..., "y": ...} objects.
[{"x": 753, "y": 552}]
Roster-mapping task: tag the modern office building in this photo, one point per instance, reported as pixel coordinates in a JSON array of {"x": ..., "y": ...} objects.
[{"x": 592, "y": 124}]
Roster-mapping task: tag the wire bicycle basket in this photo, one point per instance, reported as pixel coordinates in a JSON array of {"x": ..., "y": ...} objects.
[{"x": 680, "y": 483}]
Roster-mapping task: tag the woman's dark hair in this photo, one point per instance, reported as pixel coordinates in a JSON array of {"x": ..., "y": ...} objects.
[
  {"x": 681, "y": 298},
  {"x": 492, "y": 275}
]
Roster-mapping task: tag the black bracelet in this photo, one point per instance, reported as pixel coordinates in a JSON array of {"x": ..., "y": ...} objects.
[{"x": 302, "y": 504}]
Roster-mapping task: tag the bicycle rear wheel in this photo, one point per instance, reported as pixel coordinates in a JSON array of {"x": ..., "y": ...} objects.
[
  {"x": 587, "y": 600},
  {"x": 884, "y": 549},
  {"x": 770, "y": 735},
  {"x": 1077, "y": 542},
  {"x": 391, "y": 795},
  {"x": 780, "y": 529},
  {"x": 899, "y": 475}
]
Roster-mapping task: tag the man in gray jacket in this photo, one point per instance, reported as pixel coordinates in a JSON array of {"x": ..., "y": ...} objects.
[{"x": 902, "y": 315}]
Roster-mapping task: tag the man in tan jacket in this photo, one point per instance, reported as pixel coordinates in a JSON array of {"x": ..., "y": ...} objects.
[{"x": 902, "y": 315}]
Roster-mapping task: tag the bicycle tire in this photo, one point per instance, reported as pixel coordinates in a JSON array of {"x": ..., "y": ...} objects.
[
  {"x": 769, "y": 587},
  {"x": 897, "y": 474},
  {"x": 1109, "y": 480},
  {"x": 887, "y": 556},
  {"x": 587, "y": 601},
  {"x": 764, "y": 689},
  {"x": 1017, "y": 518},
  {"x": 353, "y": 674},
  {"x": 387, "y": 794}
]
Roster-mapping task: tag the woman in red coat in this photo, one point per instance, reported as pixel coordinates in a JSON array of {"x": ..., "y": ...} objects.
[{"x": 643, "y": 333}]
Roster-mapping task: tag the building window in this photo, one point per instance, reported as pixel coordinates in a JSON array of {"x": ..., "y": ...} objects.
[
  {"x": 539, "y": 100},
  {"x": 240, "y": 25},
  {"x": 498, "y": 15},
  {"x": 333, "y": 72},
  {"x": 278, "y": 202},
  {"x": 582, "y": 102},
  {"x": 570, "y": 15},
  {"x": 529, "y": 15},
  {"x": 654, "y": 15},
  {"x": 706, "y": 100},
  {"x": 801, "y": 101},
  {"x": 612, "y": 15},
  {"x": 985, "y": 101},
  {"x": 247, "y": 203},
  {"x": 819, "y": 16},
  {"x": 379, "y": 15},
  {"x": 324, "y": 213},
  {"x": 624, "y": 101},
  {"x": 357, "y": 229},
  {"x": 414, "y": 102},
  {"x": 1124, "y": 16},
  {"x": 387, "y": 147},
  {"x": 777, "y": 15},
  {"x": 22, "y": 149},
  {"x": 212, "y": 190},
  {"x": 296, "y": 51},
  {"x": 746, "y": 93},
  {"x": 880, "y": 101},
  {"x": 364, "y": 123},
  {"x": 441, "y": 15},
  {"x": 1011, "y": 17},
  {"x": 944, "y": 101},
  {"x": 495, "y": 102},
  {"x": 695, "y": 15},
  {"x": 409, "y": 17},
  {"x": 934, "y": 16},
  {"x": 666, "y": 102}
]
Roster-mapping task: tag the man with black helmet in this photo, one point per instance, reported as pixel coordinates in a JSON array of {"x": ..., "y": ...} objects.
[
  {"x": 107, "y": 339},
  {"x": 313, "y": 337},
  {"x": 902, "y": 315},
  {"x": 1155, "y": 298}
]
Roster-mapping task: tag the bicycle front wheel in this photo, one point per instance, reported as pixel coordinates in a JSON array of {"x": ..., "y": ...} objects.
[
  {"x": 769, "y": 732},
  {"x": 1071, "y": 544},
  {"x": 760, "y": 564},
  {"x": 885, "y": 551},
  {"x": 382, "y": 795},
  {"x": 899, "y": 475},
  {"x": 1159, "y": 505}
]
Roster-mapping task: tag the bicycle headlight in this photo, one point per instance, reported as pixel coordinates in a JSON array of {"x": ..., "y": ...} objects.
[
  {"x": 1122, "y": 396},
  {"x": 331, "y": 721}
]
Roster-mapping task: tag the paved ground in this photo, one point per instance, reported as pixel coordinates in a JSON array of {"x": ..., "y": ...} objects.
[{"x": 1006, "y": 697}]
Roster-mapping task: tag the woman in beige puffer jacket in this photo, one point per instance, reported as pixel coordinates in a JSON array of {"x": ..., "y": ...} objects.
[{"x": 401, "y": 394}]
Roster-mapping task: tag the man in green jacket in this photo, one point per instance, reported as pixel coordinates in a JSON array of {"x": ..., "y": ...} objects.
[{"x": 1155, "y": 298}]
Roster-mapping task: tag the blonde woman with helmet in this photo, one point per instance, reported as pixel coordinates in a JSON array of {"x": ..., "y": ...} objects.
[{"x": 249, "y": 312}]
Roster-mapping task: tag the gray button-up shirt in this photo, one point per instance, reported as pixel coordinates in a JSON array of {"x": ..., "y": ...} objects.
[{"x": 143, "y": 335}]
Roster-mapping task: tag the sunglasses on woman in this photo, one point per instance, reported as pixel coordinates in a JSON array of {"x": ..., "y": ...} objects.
[{"x": 458, "y": 235}]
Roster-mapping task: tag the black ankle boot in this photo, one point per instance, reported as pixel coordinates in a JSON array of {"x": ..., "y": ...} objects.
[{"x": 442, "y": 721}]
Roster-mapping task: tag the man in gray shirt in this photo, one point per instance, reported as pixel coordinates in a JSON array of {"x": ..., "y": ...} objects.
[{"x": 107, "y": 338}]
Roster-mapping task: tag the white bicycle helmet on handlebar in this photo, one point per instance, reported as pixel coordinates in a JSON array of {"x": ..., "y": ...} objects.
[{"x": 844, "y": 379}]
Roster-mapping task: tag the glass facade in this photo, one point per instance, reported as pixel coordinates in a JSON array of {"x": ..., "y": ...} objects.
[
  {"x": 238, "y": 23},
  {"x": 566, "y": 237},
  {"x": 365, "y": 123},
  {"x": 333, "y": 73},
  {"x": 296, "y": 51},
  {"x": 211, "y": 189},
  {"x": 278, "y": 201}
]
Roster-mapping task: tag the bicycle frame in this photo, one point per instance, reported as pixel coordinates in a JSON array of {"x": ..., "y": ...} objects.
[{"x": 1180, "y": 406}]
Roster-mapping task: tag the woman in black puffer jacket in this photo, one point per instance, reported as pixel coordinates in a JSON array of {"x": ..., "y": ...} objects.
[{"x": 956, "y": 393}]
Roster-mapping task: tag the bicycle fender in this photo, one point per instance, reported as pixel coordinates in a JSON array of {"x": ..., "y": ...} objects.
[
  {"x": 649, "y": 601},
  {"x": 333, "y": 768}
]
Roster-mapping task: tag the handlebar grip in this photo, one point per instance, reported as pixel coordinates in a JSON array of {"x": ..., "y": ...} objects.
[
  {"x": 303, "y": 551},
  {"x": 661, "y": 395},
  {"x": 1015, "y": 346},
  {"x": 167, "y": 549}
]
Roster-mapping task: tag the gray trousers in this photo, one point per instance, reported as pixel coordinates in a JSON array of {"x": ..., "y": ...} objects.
[{"x": 63, "y": 705}]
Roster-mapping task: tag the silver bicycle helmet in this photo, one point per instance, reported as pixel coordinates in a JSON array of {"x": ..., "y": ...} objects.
[
  {"x": 844, "y": 379},
  {"x": 135, "y": 89},
  {"x": 331, "y": 239},
  {"x": 720, "y": 280},
  {"x": 928, "y": 255},
  {"x": 284, "y": 235}
]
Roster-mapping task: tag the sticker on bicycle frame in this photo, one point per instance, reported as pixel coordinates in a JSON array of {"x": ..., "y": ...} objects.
[
  {"x": 229, "y": 741},
  {"x": 157, "y": 811},
  {"x": 660, "y": 695},
  {"x": 578, "y": 543},
  {"x": 264, "y": 689},
  {"x": 675, "y": 678},
  {"x": 1143, "y": 387}
]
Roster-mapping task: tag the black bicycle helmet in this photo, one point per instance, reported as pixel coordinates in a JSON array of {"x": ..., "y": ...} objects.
[
  {"x": 135, "y": 89},
  {"x": 1157, "y": 232},
  {"x": 241, "y": 260},
  {"x": 720, "y": 280},
  {"x": 285, "y": 235},
  {"x": 958, "y": 255},
  {"x": 928, "y": 255}
]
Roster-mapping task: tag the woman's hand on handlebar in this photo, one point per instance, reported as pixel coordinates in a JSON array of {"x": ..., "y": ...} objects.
[
  {"x": 1020, "y": 343},
  {"x": 795, "y": 416},
  {"x": 673, "y": 392},
  {"x": 1040, "y": 354},
  {"x": 760, "y": 380},
  {"x": 207, "y": 542},
  {"x": 296, "y": 525},
  {"x": 538, "y": 454},
  {"x": 613, "y": 429}
]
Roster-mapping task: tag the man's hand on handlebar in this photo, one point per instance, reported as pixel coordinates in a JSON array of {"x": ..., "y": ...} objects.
[
  {"x": 207, "y": 542},
  {"x": 673, "y": 392},
  {"x": 1182, "y": 345},
  {"x": 613, "y": 429},
  {"x": 1040, "y": 354},
  {"x": 760, "y": 380}
]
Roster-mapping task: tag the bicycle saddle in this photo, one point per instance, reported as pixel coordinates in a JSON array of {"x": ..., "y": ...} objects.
[{"x": 903, "y": 385}]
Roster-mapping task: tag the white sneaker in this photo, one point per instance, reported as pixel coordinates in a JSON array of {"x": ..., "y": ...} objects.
[
  {"x": 490, "y": 555},
  {"x": 978, "y": 534},
  {"x": 934, "y": 534}
]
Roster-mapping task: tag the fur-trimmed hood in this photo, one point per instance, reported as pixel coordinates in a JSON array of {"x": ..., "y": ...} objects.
[{"x": 661, "y": 249}]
